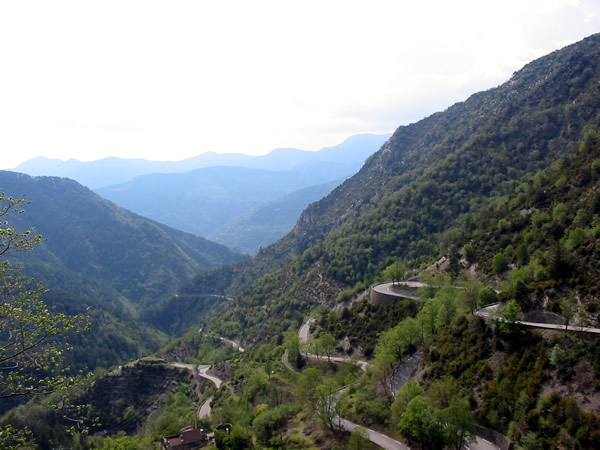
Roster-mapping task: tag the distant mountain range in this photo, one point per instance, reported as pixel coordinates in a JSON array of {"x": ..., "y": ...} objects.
[
  {"x": 330, "y": 162},
  {"x": 205, "y": 200},
  {"x": 225, "y": 197}
]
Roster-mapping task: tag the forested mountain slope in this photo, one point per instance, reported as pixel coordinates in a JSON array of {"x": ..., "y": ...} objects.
[
  {"x": 475, "y": 146},
  {"x": 421, "y": 189},
  {"x": 543, "y": 238},
  {"x": 506, "y": 187},
  {"x": 269, "y": 222},
  {"x": 203, "y": 200},
  {"x": 95, "y": 249}
]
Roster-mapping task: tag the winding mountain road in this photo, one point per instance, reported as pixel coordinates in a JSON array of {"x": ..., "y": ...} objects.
[
  {"x": 202, "y": 369},
  {"x": 205, "y": 409},
  {"x": 304, "y": 329},
  {"x": 303, "y": 334},
  {"x": 396, "y": 289},
  {"x": 235, "y": 345},
  {"x": 491, "y": 311},
  {"x": 375, "y": 437},
  {"x": 404, "y": 372}
]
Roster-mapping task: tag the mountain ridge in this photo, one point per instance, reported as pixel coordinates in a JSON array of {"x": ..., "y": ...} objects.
[
  {"x": 113, "y": 170},
  {"x": 94, "y": 248},
  {"x": 426, "y": 182}
]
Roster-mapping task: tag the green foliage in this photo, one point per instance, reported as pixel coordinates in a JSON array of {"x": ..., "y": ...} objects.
[
  {"x": 271, "y": 419},
  {"x": 555, "y": 240},
  {"x": 124, "y": 442},
  {"x": 326, "y": 343},
  {"x": 113, "y": 339},
  {"x": 326, "y": 402},
  {"x": 395, "y": 271},
  {"x": 438, "y": 311},
  {"x": 442, "y": 391},
  {"x": 523, "y": 372},
  {"x": 96, "y": 250},
  {"x": 33, "y": 338},
  {"x": 391, "y": 346},
  {"x": 469, "y": 252},
  {"x": 557, "y": 422},
  {"x": 487, "y": 296},
  {"x": 256, "y": 384},
  {"x": 460, "y": 352},
  {"x": 470, "y": 293},
  {"x": 420, "y": 420},
  {"x": 292, "y": 345},
  {"x": 306, "y": 391},
  {"x": 522, "y": 254},
  {"x": 459, "y": 423},
  {"x": 557, "y": 356},
  {"x": 11, "y": 438},
  {"x": 499, "y": 263},
  {"x": 238, "y": 439},
  {"x": 363, "y": 321},
  {"x": 359, "y": 439},
  {"x": 511, "y": 313},
  {"x": 576, "y": 237},
  {"x": 508, "y": 393},
  {"x": 560, "y": 214},
  {"x": 409, "y": 391}
]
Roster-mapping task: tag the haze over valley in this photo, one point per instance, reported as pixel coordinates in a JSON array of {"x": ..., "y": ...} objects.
[{"x": 434, "y": 287}]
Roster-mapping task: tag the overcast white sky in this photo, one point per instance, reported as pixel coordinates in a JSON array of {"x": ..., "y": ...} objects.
[{"x": 170, "y": 80}]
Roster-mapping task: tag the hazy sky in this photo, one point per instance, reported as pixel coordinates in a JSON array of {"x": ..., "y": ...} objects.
[{"x": 169, "y": 80}]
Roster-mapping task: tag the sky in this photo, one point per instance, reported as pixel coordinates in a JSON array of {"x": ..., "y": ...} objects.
[{"x": 169, "y": 80}]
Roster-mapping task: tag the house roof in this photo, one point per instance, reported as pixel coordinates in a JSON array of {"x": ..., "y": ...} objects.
[{"x": 186, "y": 437}]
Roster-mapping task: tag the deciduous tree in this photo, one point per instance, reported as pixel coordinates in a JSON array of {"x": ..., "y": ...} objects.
[
  {"x": 33, "y": 338},
  {"x": 469, "y": 294},
  {"x": 395, "y": 271},
  {"x": 327, "y": 344},
  {"x": 509, "y": 316},
  {"x": 327, "y": 393},
  {"x": 459, "y": 424},
  {"x": 306, "y": 392}
]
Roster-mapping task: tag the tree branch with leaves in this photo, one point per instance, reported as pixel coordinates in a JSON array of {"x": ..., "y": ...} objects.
[{"x": 33, "y": 337}]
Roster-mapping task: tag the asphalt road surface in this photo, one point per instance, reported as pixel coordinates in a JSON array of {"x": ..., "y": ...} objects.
[
  {"x": 377, "y": 438},
  {"x": 490, "y": 311}
]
